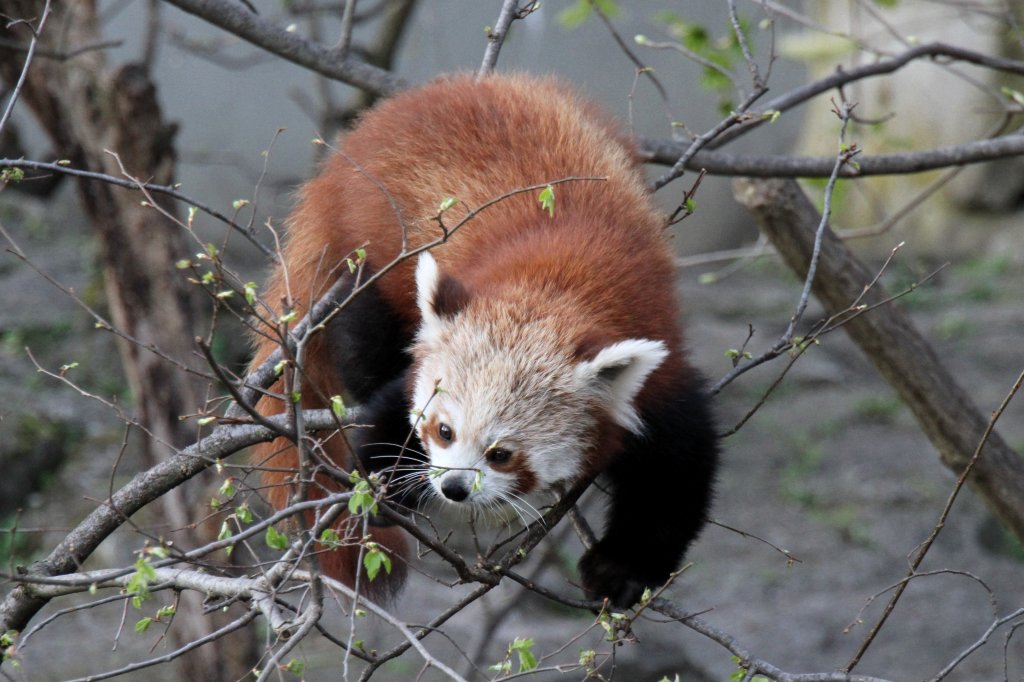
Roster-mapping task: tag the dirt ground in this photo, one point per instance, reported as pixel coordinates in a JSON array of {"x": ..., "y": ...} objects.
[{"x": 833, "y": 469}]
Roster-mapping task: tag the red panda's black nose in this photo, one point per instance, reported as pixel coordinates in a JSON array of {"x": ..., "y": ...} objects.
[{"x": 454, "y": 489}]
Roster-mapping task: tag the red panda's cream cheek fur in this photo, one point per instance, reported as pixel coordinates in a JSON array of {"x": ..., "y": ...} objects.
[{"x": 528, "y": 351}]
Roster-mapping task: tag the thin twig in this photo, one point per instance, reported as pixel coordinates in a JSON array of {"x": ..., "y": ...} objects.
[
  {"x": 29, "y": 54},
  {"x": 170, "y": 191},
  {"x": 510, "y": 11},
  {"x": 680, "y": 165},
  {"x": 843, "y": 156},
  {"x": 939, "y": 525}
]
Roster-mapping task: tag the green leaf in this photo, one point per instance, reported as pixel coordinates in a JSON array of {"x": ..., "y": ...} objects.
[
  {"x": 227, "y": 488},
  {"x": 1015, "y": 95},
  {"x": 276, "y": 539},
  {"x": 576, "y": 15},
  {"x": 547, "y": 200},
  {"x": 250, "y": 292},
  {"x": 329, "y": 538},
  {"x": 243, "y": 513},
  {"x": 140, "y": 580},
  {"x": 503, "y": 668},
  {"x": 338, "y": 407},
  {"x": 12, "y": 175},
  {"x": 527, "y": 659},
  {"x": 159, "y": 552},
  {"x": 143, "y": 624},
  {"x": 145, "y": 569},
  {"x": 362, "y": 500},
  {"x": 239, "y": 203},
  {"x": 295, "y": 667},
  {"x": 446, "y": 204},
  {"x": 374, "y": 559}
]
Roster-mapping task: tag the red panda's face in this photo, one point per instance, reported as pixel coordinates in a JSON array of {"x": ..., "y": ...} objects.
[
  {"x": 503, "y": 404},
  {"x": 499, "y": 412}
]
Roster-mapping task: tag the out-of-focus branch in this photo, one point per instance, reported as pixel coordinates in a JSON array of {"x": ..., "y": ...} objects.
[{"x": 326, "y": 61}]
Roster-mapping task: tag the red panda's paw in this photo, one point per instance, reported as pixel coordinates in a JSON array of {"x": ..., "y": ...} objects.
[{"x": 606, "y": 576}]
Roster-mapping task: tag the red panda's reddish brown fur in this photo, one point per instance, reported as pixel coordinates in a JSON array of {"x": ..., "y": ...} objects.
[{"x": 475, "y": 141}]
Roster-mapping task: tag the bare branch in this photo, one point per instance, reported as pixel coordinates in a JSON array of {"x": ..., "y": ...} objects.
[
  {"x": 668, "y": 152},
  {"x": 747, "y": 661},
  {"x": 841, "y": 77},
  {"x": 843, "y": 156},
  {"x": 275, "y": 39},
  {"x": 30, "y": 53},
  {"x": 939, "y": 525},
  {"x": 996, "y": 624},
  {"x": 21, "y": 604},
  {"x": 510, "y": 11},
  {"x": 945, "y": 412},
  {"x": 170, "y": 191}
]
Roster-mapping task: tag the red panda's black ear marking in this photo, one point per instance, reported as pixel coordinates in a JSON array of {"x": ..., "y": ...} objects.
[
  {"x": 438, "y": 296},
  {"x": 450, "y": 297}
]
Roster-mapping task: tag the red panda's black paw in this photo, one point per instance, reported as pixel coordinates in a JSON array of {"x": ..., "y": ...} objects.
[{"x": 605, "y": 577}]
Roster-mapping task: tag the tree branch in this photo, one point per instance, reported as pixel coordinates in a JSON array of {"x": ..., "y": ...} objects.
[
  {"x": 328, "y": 62},
  {"x": 842, "y": 77},
  {"x": 667, "y": 152},
  {"x": 946, "y": 413},
  {"x": 22, "y": 603}
]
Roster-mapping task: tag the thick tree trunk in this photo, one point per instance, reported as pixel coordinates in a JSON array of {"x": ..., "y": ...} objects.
[
  {"x": 92, "y": 111},
  {"x": 946, "y": 413}
]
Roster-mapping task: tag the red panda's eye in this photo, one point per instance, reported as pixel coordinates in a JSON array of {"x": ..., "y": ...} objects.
[
  {"x": 499, "y": 455},
  {"x": 445, "y": 432}
]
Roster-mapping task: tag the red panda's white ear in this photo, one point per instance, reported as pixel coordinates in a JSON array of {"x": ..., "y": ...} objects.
[
  {"x": 437, "y": 296},
  {"x": 618, "y": 372},
  {"x": 427, "y": 276}
]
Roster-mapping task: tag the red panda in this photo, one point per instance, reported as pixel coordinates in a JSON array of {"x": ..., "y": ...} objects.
[{"x": 531, "y": 349}]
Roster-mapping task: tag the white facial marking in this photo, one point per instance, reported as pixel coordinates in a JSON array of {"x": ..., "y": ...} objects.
[{"x": 500, "y": 380}]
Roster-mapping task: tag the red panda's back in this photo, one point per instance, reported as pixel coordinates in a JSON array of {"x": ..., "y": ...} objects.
[{"x": 472, "y": 141}]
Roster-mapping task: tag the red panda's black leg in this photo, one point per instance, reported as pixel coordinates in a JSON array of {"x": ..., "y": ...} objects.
[
  {"x": 389, "y": 446},
  {"x": 661, "y": 489},
  {"x": 367, "y": 344},
  {"x": 368, "y": 350}
]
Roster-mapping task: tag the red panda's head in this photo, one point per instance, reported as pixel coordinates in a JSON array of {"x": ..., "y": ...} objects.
[{"x": 504, "y": 401}]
